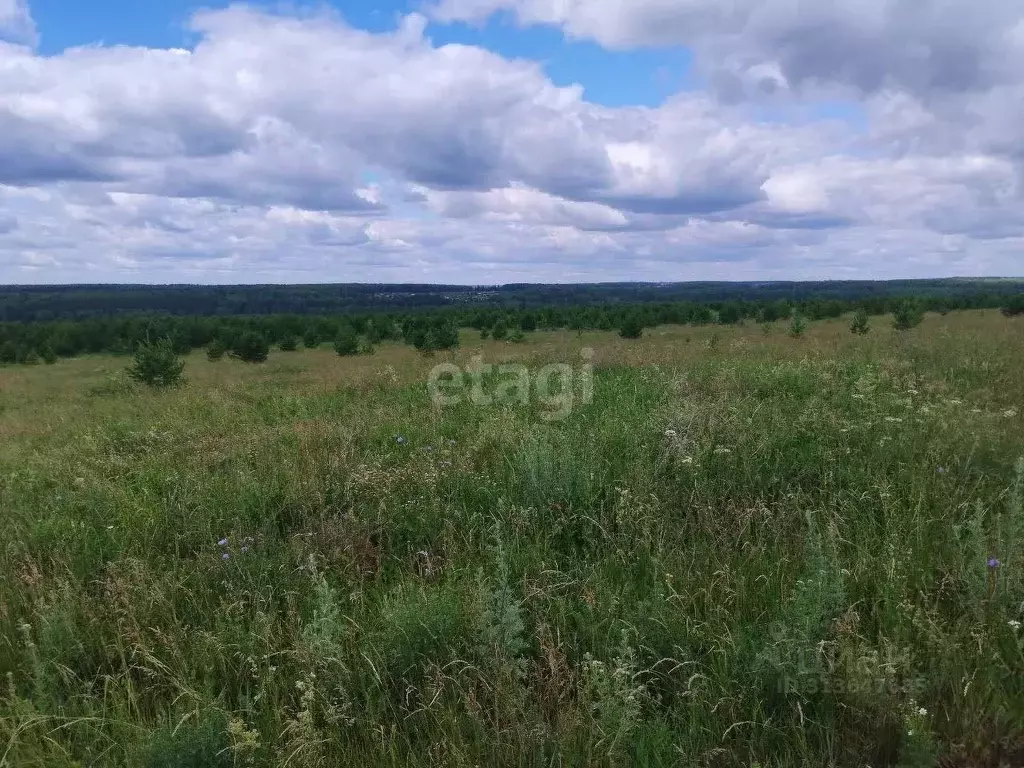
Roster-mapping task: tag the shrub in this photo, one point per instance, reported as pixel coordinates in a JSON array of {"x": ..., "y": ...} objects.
[
  {"x": 1015, "y": 306},
  {"x": 251, "y": 348},
  {"x": 517, "y": 336},
  {"x": 216, "y": 350},
  {"x": 31, "y": 357},
  {"x": 346, "y": 343},
  {"x": 908, "y": 315},
  {"x": 859, "y": 326},
  {"x": 8, "y": 352},
  {"x": 156, "y": 365},
  {"x": 499, "y": 330},
  {"x": 797, "y": 325},
  {"x": 289, "y": 344},
  {"x": 311, "y": 339},
  {"x": 632, "y": 328},
  {"x": 48, "y": 355},
  {"x": 446, "y": 336}
]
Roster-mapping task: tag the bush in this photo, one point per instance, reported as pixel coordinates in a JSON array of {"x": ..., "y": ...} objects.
[
  {"x": 251, "y": 348},
  {"x": 908, "y": 315},
  {"x": 797, "y": 325},
  {"x": 311, "y": 339},
  {"x": 517, "y": 336},
  {"x": 1014, "y": 307},
  {"x": 289, "y": 344},
  {"x": 347, "y": 342},
  {"x": 156, "y": 365},
  {"x": 216, "y": 350},
  {"x": 446, "y": 336},
  {"x": 48, "y": 355},
  {"x": 859, "y": 326},
  {"x": 499, "y": 330},
  {"x": 632, "y": 328},
  {"x": 8, "y": 352}
]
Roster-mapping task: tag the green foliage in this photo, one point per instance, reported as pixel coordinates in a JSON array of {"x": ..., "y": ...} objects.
[
  {"x": 216, "y": 350},
  {"x": 289, "y": 344},
  {"x": 48, "y": 355},
  {"x": 1014, "y": 307},
  {"x": 190, "y": 745},
  {"x": 251, "y": 348},
  {"x": 156, "y": 365},
  {"x": 311, "y": 339},
  {"x": 346, "y": 342},
  {"x": 632, "y": 327},
  {"x": 499, "y": 330},
  {"x": 797, "y": 326},
  {"x": 907, "y": 315},
  {"x": 517, "y": 336},
  {"x": 8, "y": 352},
  {"x": 859, "y": 326}
]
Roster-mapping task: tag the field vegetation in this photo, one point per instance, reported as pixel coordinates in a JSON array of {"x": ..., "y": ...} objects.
[{"x": 754, "y": 547}]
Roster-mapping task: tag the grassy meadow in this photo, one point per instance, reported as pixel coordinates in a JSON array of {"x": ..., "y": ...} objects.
[{"x": 747, "y": 550}]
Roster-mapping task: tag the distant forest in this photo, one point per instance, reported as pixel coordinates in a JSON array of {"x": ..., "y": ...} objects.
[
  {"x": 47, "y": 322},
  {"x": 46, "y": 303}
]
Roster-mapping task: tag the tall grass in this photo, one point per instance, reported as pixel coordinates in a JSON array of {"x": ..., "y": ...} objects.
[{"x": 765, "y": 550}]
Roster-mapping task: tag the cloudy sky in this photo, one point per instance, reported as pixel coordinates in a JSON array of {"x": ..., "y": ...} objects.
[{"x": 484, "y": 141}]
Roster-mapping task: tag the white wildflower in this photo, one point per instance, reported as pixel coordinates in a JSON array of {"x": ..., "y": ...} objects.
[
  {"x": 1014, "y": 624},
  {"x": 1012, "y": 412}
]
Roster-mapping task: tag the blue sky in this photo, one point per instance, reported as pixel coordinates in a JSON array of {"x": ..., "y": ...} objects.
[
  {"x": 615, "y": 78},
  {"x": 169, "y": 141}
]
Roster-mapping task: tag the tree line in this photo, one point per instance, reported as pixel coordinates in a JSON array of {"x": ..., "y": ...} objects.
[
  {"x": 432, "y": 329},
  {"x": 79, "y": 302}
]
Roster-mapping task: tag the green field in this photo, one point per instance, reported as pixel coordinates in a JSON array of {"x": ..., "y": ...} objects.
[{"x": 748, "y": 549}]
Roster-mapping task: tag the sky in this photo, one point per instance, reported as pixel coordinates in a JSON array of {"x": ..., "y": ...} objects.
[{"x": 495, "y": 141}]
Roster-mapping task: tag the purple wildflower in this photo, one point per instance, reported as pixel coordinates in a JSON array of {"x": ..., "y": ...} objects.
[
  {"x": 993, "y": 563},
  {"x": 222, "y": 543},
  {"x": 225, "y": 556}
]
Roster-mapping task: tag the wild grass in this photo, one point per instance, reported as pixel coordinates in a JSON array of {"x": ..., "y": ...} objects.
[{"x": 749, "y": 549}]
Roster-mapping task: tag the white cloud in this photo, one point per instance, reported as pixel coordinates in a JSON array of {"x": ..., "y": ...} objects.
[
  {"x": 301, "y": 149},
  {"x": 16, "y": 24}
]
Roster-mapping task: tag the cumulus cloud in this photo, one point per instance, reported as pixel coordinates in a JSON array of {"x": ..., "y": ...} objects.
[
  {"x": 956, "y": 45},
  {"x": 16, "y": 24},
  {"x": 300, "y": 148}
]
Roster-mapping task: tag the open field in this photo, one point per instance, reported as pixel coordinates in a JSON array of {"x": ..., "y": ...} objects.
[{"x": 748, "y": 550}]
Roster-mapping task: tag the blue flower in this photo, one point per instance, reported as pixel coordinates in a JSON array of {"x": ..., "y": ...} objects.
[
  {"x": 222, "y": 543},
  {"x": 225, "y": 556},
  {"x": 993, "y": 563}
]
